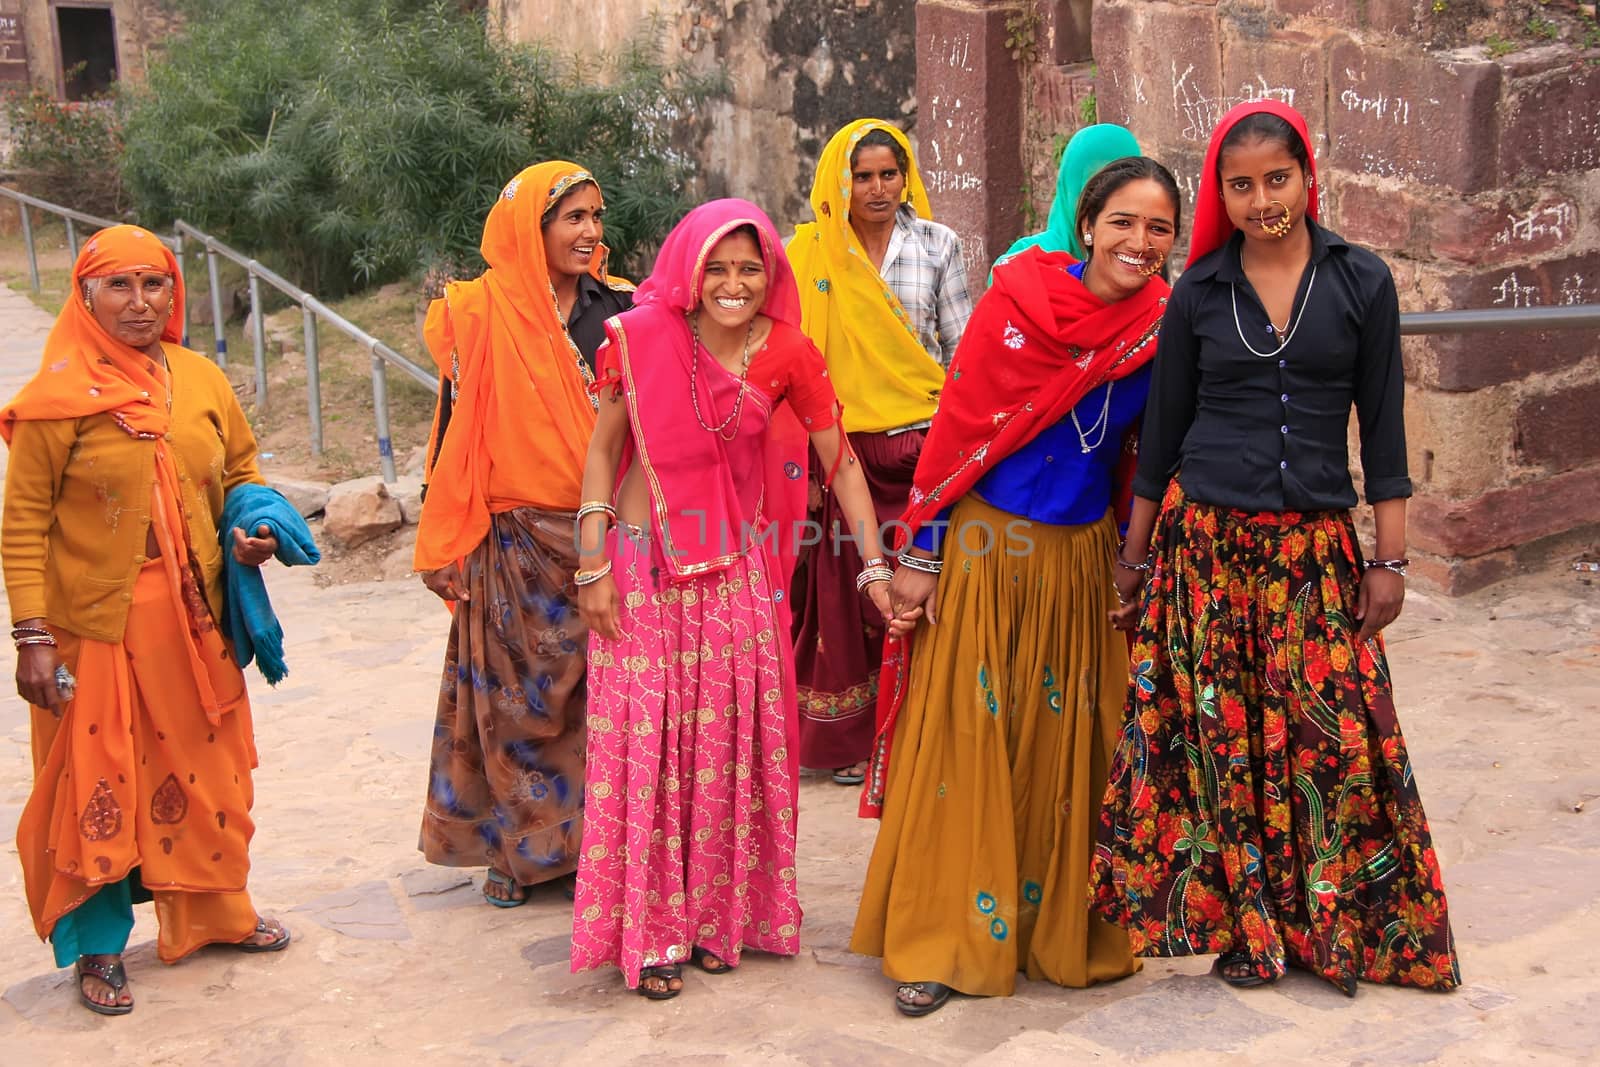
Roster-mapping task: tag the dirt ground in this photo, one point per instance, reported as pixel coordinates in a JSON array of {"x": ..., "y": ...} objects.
[{"x": 397, "y": 960}]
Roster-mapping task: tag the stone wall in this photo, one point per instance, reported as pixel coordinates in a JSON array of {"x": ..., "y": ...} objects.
[
  {"x": 141, "y": 27},
  {"x": 1473, "y": 175},
  {"x": 797, "y": 70}
]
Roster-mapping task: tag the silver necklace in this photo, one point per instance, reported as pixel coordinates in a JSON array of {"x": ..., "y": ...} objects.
[
  {"x": 734, "y": 416},
  {"x": 1102, "y": 424},
  {"x": 1283, "y": 338}
]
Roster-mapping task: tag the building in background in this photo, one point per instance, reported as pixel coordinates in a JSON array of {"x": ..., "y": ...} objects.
[{"x": 77, "y": 49}]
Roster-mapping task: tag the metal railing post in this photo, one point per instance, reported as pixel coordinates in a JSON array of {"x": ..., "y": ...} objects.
[
  {"x": 177, "y": 252},
  {"x": 217, "y": 330},
  {"x": 258, "y": 336},
  {"x": 313, "y": 378},
  {"x": 72, "y": 238},
  {"x": 380, "y": 414},
  {"x": 27, "y": 238}
]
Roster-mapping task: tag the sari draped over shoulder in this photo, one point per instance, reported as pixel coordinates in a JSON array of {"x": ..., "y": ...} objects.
[
  {"x": 501, "y": 345},
  {"x": 1034, "y": 348},
  {"x": 884, "y": 377}
]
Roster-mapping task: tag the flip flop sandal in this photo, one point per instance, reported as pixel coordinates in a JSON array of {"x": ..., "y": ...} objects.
[
  {"x": 665, "y": 972},
  {"x": 702, "y": 956},
  {"x": 937, "y": 990},
  {"x": 848, "y": 776},
  {"x": 277, "y": 944},
  {"x": 113, "y": 975},
  {"x": 1248, "y": 980},
  {"x": 504, "y": 880}
]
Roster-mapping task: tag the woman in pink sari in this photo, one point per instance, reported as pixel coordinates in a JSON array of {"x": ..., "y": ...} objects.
[{"x": 697, "y": 465}]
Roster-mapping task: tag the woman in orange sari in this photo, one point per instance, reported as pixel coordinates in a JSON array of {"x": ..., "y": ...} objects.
[
  {"x": 123, "y": 448},
  {"x": 516, "y": 349}
]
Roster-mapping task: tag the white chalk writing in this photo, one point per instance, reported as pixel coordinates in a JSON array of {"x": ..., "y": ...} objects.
[
  {"x": 1397, "y": 109},
  {"x": 1201, "y": 112},
  {"x": 1538, "y": 223},
  {"x": 1511, "y": 292},
  {"x": 1573, "y": 291}
]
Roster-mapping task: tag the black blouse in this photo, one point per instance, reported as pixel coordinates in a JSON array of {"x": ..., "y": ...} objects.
[
  {"x": 1266, "y": 430},
  {"x": 597, "y": 302}
]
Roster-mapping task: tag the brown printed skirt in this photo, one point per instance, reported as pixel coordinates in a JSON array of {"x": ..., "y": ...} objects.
[{"x": 505, "y": 783}]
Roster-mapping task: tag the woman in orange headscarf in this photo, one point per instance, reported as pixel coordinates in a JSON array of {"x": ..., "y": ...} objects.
[
  {"x": 516, "y": 350},
  {"x": 123, "y": 447}
]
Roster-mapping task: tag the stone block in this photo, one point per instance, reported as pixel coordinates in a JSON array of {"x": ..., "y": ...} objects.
[
  {"x": 1404, "y": 17},
  {"x": 308, "y": 497},
  {"x": 1551, "y": 122},
  {"x": 1560, "y": 429},
  {"x": 1443, "y": 459},
  {"x": 1501, "y": 228},
  {"x": 1418, "y": 117},
  {"x": 408, "y": 491},
  {"x": 969, "y": 126},
  {"x": 1378, "y": 214},
  {"x": 1505, "y": 518},
  {"x": 359, "y": 510},
  {"x": 1286, "y": 67},
  {"x": 1166, "y": 83}
]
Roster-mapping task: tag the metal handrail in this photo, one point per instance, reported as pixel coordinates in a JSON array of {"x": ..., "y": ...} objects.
[
  {"x": 312, "y": 310},
  {"x": 1559, "y": 317}
]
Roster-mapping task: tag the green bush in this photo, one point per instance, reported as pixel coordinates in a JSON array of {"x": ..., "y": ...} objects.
[
  {"x": 67, "y": 153},
  {"x": 353, "y": 142}
]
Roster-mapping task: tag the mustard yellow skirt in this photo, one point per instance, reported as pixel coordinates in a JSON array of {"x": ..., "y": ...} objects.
[{"x": 981, "y": 867}]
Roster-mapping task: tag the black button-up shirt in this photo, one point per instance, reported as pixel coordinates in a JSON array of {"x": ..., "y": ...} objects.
[{"x": 1266, "y": 430}]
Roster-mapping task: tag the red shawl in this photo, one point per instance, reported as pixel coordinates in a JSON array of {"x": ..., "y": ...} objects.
[
  {"x": 1039, "y": 342},
  {"x": 1212, "y": 227}
]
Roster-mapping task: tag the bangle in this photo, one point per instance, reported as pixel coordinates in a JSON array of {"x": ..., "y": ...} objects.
[
  {"x": 875, "y": 561},
  {"x": 868, "y": 575},
  {"x": 1398, "y": 566},
  {"x": 583, "y": 577},
  {"x": 597, "y": 507},
  {"x": 918, "y": 563},
  {"x": 21, "y": 642},
  {"x": 1132, "y": 566},
  {"x": 29, "y": 631}
]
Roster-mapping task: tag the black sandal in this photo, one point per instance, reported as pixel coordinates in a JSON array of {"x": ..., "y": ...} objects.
[
  {"x": 702, "y": 957},
  {"x": 937, "y": 990},
  {"x": 277, "y": 944},
  {"x": 1235, "y": 958},
  {"x": 113, "y": 975},
  {"x": 666, "y": 973}
]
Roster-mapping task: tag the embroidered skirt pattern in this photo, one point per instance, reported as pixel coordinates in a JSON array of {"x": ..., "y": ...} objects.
[
  {"x": 1261, "y": 798},
  {"x": 505, "y": 782},
  {"x": 689, "y": 831}
]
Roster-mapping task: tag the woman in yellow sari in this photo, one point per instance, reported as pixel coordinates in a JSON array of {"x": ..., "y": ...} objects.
[
  {"x": 123, "y": 448},
  {"x": 883, "y": 295}
]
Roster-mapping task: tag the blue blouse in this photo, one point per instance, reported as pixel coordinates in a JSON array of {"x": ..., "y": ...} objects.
[{"x": 1054, "y": 479}]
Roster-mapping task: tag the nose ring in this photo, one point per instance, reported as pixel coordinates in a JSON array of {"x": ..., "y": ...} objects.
[
  {"x": 1151, "y": 269},
  {"x": 1284, "y": 224}
]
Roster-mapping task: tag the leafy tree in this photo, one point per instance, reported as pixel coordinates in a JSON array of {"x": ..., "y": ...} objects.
[{"x": 354, "y": 141}]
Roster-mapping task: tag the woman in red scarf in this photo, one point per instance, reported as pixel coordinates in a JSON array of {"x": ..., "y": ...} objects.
[
  {"x": 1002, "y": 721},
  {"x": 123, "y": 448},
  {"x": 709, "y": 393},
  {"x": 1261, "y": 803}
]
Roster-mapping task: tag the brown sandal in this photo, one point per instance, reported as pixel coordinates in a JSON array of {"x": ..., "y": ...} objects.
[
  {"x": 279, "y": 942},
  {"x": 112, "y": 974}
]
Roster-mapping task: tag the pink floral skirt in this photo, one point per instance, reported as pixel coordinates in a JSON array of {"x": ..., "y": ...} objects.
[{"x": 689, "y": 813}]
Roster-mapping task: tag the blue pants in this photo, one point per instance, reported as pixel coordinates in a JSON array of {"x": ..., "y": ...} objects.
[{"x": 100, "y": 926}]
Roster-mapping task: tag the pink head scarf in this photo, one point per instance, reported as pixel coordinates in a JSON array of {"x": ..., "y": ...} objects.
[{"x": 690, "y": 484}]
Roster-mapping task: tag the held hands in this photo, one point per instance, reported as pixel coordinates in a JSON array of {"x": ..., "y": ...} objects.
[
  {"x": 912, "y": 595},
  {"x": 254, "y": 551},
  {"x": 36, "y": 677},
  {"x": 1125, "y": 616},
  {"x": 447, "y": 583},
  {"x": 1382, "y": 593}
]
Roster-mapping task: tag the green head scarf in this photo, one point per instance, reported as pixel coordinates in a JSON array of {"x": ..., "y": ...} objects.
[{"x": 1090, "y": 149}]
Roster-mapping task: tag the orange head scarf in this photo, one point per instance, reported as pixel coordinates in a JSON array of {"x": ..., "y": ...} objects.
[
  {"x": 86, "y": 371},
  {"x": 522, "y": 417}
]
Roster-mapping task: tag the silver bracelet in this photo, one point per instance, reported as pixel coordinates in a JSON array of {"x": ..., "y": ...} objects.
[
  {"x": 590, "y": 577},
  {"x": 918, "y": 563},
  {"x": 868, "y": 575}
]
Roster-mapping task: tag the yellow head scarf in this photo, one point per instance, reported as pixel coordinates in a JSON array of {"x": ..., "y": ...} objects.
[{"x": 883, "y": 376}]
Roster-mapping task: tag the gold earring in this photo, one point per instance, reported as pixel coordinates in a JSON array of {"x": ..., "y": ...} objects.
[{"x": 88, "y": 304}]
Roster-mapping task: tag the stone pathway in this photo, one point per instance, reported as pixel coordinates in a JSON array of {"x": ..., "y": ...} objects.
[{"x": 398, "y": 961}]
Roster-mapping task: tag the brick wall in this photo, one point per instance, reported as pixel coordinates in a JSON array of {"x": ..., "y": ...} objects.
[{"x": 1474, "y": 176}]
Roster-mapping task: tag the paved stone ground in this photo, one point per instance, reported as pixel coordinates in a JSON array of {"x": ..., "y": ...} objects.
[{"x": 396, "y": 960}]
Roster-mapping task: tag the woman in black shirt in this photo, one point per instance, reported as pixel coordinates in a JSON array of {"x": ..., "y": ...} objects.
[{"x": 1261, "y": 803}]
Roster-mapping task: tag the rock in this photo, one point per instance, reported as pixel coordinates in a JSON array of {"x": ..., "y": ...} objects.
[
  {"x": 359, "y": 510},
  {"x": 396, "y": 565},
  {"x": 308, "y": 497},
  {"x": 408, "y": 491},
  {"x": 417, "y": 461}
]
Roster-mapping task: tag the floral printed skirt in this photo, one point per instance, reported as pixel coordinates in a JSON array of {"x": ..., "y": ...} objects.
[
  {"x": 689, "y": 819},
  {"x": 505, "y": 781},
  {"x": 1261, "y": 799},
  {"x": 1012, "y": 707}
]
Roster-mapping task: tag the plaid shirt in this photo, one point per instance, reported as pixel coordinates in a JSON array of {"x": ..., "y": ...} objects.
[{"x": 926, "y": 270}]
